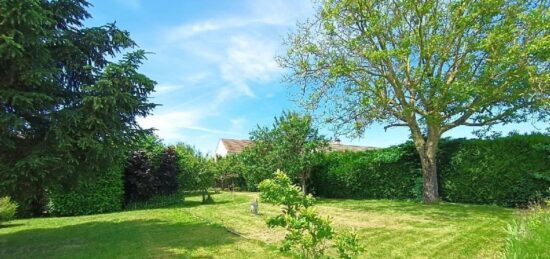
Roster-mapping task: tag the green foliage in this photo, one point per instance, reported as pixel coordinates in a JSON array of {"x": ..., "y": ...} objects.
[
  {"x": 153, "y": 147},
  {"x": 197, "y": 172},
  {"x": 348, "y": 245},
  {"x": 8, "y": 208},
  {"x": 529, "y": 236},
  {"x": 291, "y": 144},
  {"x": 505, "y": 171},
  {"x": 229, "y": 172},
  {"x": 281, "y": 191},
  {"x": 67, "y": 111},
  {"x": 430, "y": 66},
  {"x": 390, "y": 173},
  {"x": 509, "y": 171},
  {"x": 189, "y": 162},
  {"x": 101, "y": 194},
  {"x": 307, "y": 232}
]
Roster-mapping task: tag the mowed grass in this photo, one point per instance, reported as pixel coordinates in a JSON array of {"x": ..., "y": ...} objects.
[{"x": 226, "y": 229}]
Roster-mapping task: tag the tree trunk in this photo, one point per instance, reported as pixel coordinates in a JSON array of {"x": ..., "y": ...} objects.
[
  {"x": 427, "y": 150},
  {"x": 304, "y": 183}
]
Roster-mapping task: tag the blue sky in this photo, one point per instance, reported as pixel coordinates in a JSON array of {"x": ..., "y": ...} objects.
[{"x": 214, "y": 64}]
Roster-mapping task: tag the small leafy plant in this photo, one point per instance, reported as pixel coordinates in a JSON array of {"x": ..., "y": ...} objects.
[
  {"x": 8, "y": 209},
  {"x": 529, "y": 236},
  {"x": 307, "y": 232}
]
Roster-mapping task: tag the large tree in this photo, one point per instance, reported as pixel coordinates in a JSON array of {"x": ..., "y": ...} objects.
[
  {"x": 428, "y": 65},
  {"x": 66, "y": 109}
]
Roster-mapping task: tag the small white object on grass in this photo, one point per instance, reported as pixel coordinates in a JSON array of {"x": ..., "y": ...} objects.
[{"x": 254, "y": 207}]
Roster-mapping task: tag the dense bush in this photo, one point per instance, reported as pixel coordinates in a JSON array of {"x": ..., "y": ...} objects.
[
  {"x": 229, "y": 172},
  {"x": 510, "y": 171},
  {"x": 167, "y": 173},
  {"x": 98, "y": 195},
  {"x": 190, "y": 162},
  {"x": 139, "y": 180},
  {"x": 8, "y": 208},
  {"x": 197, "y": 172},
  {"x": 384, "y": 173}
]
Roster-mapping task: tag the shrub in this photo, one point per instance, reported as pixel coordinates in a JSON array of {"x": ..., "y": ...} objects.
[
  {"x": 167, "y": 173},
  {"x": 197, "y": 172},
  {"x": 8, "y": 209},
  {"x": 189, "y": 163},
  {"x": 374, "y": 174},
  {"x": 90, "y": 196},
  {"x": 511, "y": 171},
  {"x": 139, "y": 181},
  {"x": 507, "y": 171},
  {"x": 307, "y": 232}
]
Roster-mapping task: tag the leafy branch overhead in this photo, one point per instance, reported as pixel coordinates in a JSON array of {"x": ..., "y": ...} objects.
[{"x": 427, "y": 65}]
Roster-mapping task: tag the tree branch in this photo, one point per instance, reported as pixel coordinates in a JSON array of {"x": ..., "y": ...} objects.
[{"x": 395, "y": 125}]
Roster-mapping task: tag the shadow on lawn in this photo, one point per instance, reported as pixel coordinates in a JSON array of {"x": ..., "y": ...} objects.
[
  {"x": 129, "y": 239},
  {"x": 169, "y": 202},
  {"x": 10, "y": 225}
]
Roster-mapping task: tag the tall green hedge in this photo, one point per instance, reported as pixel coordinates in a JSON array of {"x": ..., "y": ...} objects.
[
  {"x": 384, "y": 173},
  {"x": 511, "y": 171},
  {"x": 103, "y": 194}
]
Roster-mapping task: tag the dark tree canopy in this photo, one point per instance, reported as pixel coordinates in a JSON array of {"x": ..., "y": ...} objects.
[
  {"x": 66, "y": 110},
  {"x": 427, "y": 65}
]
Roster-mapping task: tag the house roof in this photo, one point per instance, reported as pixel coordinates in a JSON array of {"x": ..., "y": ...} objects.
[
  {"x": 337, "y": 146},
  {"x": 234, "y": 146}
]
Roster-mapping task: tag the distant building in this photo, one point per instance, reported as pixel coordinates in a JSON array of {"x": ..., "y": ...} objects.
[
  {"x": 234, "y": 146},
  {"x": 231, "y": 146}
]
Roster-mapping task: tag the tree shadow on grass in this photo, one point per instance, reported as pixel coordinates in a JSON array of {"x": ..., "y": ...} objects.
[
  {"x": 9, "y": 225},
  {"x": 182, "y": 203},
  {"x": 105, "y": 239}
]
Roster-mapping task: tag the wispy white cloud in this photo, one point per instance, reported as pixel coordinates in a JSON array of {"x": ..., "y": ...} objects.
[
  {"x": 258, "y": 13},
  {"x": 249, "y": 58},
  {"x": 167, "y": 88},
  {"x": 186, "y": 82},
  {"x": 239, "y": 124},
  {"x": 189, "y": 30},
  {"x": 169, "y": 125},
  {"x": 217, "y": 60}
]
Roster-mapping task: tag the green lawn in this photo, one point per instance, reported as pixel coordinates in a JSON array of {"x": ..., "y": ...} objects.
[{"x": 226, "y": 229}]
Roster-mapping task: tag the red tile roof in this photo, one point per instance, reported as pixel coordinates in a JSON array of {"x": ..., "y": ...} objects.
[
  {"x": 234, "y": 146},
  {"x": 336, "y": 146}
]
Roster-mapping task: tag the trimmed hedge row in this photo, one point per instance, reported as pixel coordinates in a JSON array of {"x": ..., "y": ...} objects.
[
  {"x": 390, "y": 173},
  {"x": 511, "y": 171},
  {"x": 103, "y": 194}
]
